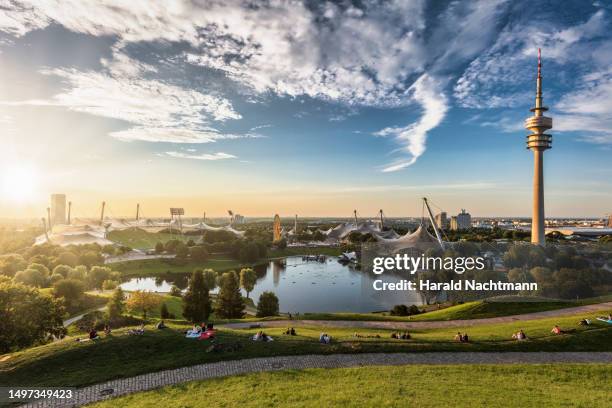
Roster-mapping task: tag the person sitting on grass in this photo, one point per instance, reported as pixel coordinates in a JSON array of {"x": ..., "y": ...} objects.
[
  {"x": 107, "y": 329},
  {"x": 520, "y": 335},
  {"x": 405, "y": 336},
  {"x": 161, "y": 325},
  {"x": 203, "y": 327},
  {"x": 458, "y": 336},
  {"x": 261, "y": 336},
  {"x": 465, "y": 338},
  {"x": 93, "y": 334},
  {"x": 290, "y": 331},
  {"x": 324, "y": 338},
  {"x": 139, "y": 331}
]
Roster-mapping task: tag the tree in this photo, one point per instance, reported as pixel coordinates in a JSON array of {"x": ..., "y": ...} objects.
[
  {"x": 115, "y": 306},
  {"x": 90, "y": 258},
  {"x": 10, "y": 264},
  {"x": 27, "y": 317},
  {"x": 159, "y": 248},
  {"x": 68, "y": 258},
  {"x": 248, "y": 278},
  {"x": 175, "y": 291},
  {"x": 40, "y": 267},
  {"x": 79, "y": 272},
  {"x": 163, "y": 311},
  {"x": 229, "y": 300},
  {"x": 210, "y": 279},
  {"x": 31, "y": 277},
  {"x": 97, "y": 275},
  {"x": 267, "y": 305},
  {"x": 196, "y": 301},
  {"x": 144, "y": 302},
  {"x": 198, "y": 253},
  {"x": 281, "y": 243},
  {"x": 109, "y": 284},
  {"x": 63, "y": 270},
  {"x": 182, "y": 251},
  {"x": 71, "y": 290},
  {"x": 249, "y": 252}
]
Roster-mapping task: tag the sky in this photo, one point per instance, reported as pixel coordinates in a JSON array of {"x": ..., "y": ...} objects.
[{"x": 313, "y": 108}]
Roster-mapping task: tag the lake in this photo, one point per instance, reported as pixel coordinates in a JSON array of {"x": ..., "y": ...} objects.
[{"x": 305, "y": 286}]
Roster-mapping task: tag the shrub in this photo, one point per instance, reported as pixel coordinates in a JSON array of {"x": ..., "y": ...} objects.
[{"x": 267, "y": 305}]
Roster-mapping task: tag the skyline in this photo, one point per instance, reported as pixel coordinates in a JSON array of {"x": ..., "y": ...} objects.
[{"x": 307, "y": 109}]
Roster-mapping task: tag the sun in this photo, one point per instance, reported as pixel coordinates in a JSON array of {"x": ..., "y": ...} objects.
[{"x": 19, "y": 183}]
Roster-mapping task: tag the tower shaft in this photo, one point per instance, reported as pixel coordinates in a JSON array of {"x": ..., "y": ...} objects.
[{"x": 538, "y": 141}]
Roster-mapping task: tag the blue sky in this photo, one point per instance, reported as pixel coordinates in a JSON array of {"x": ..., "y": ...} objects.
[{"x": 312, "y": 107}]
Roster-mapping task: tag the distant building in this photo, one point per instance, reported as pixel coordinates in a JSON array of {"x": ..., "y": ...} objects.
[
  {"x": 464, "y": 220},
  {"x": 610, "y": 221},
  {"x": 441, "y": 220},
  {"x": 58, "y": 209},
  {"x": 239, "y": 219},
  {"x": 453, "y": 223}
]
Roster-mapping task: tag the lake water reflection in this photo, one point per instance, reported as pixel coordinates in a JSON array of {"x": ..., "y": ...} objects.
[{"x": 306, "y": 286}]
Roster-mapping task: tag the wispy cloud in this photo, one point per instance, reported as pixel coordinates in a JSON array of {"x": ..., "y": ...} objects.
[
  {"x": 201, "y": 156},
  {"x": 426, "y": 91}
]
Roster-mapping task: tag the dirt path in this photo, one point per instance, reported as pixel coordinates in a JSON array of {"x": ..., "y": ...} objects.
[
  {"x": 439, "y": 324},
  {"x": 159, "y": 379}
]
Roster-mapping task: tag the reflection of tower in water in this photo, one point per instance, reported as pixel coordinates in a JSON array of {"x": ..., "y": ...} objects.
[{"x": 277, "y": 268}]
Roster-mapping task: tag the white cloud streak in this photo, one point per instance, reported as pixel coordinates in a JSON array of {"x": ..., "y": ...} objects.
[{"x": 202, "y": 156}]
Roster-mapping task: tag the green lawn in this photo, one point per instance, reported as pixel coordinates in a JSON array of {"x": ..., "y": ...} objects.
[
  {"x": 292, "y": 251},
  {"x": 416, "y": 385},
  {"x": 154, "y": 267},
  {"x": 140, "y": 239},
  {"x": 71, "y": 363}
]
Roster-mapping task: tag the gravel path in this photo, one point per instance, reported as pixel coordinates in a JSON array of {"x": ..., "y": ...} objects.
[
  {"x": 159, "y": 379},
  {"x": 438, "y": 324}
]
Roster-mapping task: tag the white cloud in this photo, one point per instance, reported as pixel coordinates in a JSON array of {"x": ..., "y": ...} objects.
[
  {"x": 426, "y": 91},
  {"x": 202, "y": 156}
]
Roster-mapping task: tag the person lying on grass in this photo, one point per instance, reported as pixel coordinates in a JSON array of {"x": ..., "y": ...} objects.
[
  {"x": 261, "y": 336},
  {"x": 585, "y": 322},
  {"x": 161, "y": 325},
  {"x": 368, "y": 336}
]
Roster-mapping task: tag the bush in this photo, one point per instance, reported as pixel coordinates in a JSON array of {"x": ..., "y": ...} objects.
[
  {"x": 159, "y": 248},
  {"x": 163, "y": 312},
  {"x": 71, "y": 290},
  {"x": 109, "y": 284},
  {"x": 198, "y": 253},
  {"x": 175, "y": 291},
  {"x": 31, "y": 277},
  {"x": 267, "y": 305},
  {"x": 403, "y": 310}
]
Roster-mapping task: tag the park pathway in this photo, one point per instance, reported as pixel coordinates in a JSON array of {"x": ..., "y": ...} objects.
[
  {"x": 434, "y": 324},
  {"x": 145, "y": 382}
]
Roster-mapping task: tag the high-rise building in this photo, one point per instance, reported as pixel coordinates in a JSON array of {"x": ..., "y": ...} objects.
[
  {"x": 441, "y": 220},
  {"x": 58, "y": 209},
  {"x": 464, "y": 220},
  {"x": 239, "y": 219},
  {"x": 538, "y": 142}
]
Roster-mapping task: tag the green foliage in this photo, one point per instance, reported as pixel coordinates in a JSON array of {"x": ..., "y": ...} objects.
[
  {"x": 210, "y": 278},
  {"x": 159, "y": 248},
  {"x": 10, "y": 264},
  {"x": 115, "y": 305},
  {"x": 196, "y": 301},
  {"x": 143, "y": 302},
  {"x": 27, "y": 317},
  {"x": 63, "y": 270},
  {"x": 109, "y": 284},
  {"x": 79, "y": 272},
  {"x": 403, "y": 310},
  {"x": 198, "y": 253},
  {"x": 69, "y": 289},
  {"x": 97, "y": 275},
  {"x": 249, "y": 252},
  {"x": 163, "y": 312},
  {"x": 267, "y": 305},
  {"x": 31, "y": 277},
  {"x": 248, "y": 278},
  {"x": 175, "y": 291},
  {"x": 229, "y": 300},
  {"x": 182, "y": 251}
]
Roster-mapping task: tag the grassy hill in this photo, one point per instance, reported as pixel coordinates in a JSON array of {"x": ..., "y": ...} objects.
[
  {"x": 414, "y": 385},
  {"x": 71, "y": 363}
]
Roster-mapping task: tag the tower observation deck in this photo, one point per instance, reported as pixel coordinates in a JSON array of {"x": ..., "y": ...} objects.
[{"x": 538, "y": 141}]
